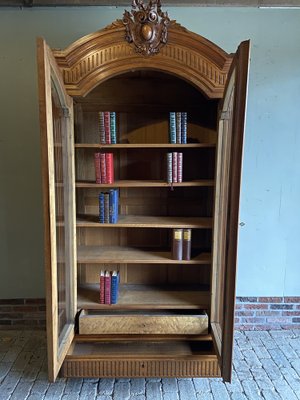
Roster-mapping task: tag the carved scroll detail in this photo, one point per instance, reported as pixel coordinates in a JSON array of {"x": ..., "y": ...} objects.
[{"x": 146, "y": 26}]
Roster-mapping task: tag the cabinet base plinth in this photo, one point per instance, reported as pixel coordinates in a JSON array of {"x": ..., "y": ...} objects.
[{"x": 136, "y": 369}]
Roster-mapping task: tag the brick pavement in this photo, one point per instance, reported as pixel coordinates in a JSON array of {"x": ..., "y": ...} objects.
[{"x": 266, "y": 366}]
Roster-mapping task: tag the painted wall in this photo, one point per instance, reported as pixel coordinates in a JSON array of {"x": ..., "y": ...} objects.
[{"x": 269, "y": 250}]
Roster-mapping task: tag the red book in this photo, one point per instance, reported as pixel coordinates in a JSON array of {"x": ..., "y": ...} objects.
[
  {"x": 103, "y": 167},
  {"x": 97, "y": 167},
  {"x": 102, "y": 295},
  {"x": 179, "y": 167},
  {"x": 107, "y": 284},
  {"x": 174, "y": 167},
  {"x": 107, "y": 127},
  {"x": 109, "y": 162}
]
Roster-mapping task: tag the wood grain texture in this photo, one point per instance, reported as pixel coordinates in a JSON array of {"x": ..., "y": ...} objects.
[
  {"x": 145, "y": 221},
  {"x": 147, "y": 297},
  {"x": 163, "y": 322},
  {"x": 131, "y": 255},
  {"x": 138, "y": 183}
]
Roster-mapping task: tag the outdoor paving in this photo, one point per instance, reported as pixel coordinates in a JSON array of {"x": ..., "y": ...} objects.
[{"x": 266, "y": 366}]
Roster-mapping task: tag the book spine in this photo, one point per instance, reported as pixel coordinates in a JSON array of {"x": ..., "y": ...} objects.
[
  {"x": 101, "y": 127},
  {"x": 113, "y": 128},
  {"x": 106, "y": 208},
  {"x": 111, "y": 206},
  {"x": 186, "y": 244},
  {"x": 114, "y": 287},
  {"x": 184, "y": 127},
  {"x": 107, "y": 291},
  {"x": 109, "y": 162},
  {"x": 178, "y": 127},
  {"x": 169, "y": 168},
  {"x": 101, "y": 208},
  {"x": 179, "y": 166},
  {"x": 97, "y": 167},
  {"x": 102, "y": 288},
  {"x": 177, "y": 244},
  {"x": 174, "y": 167},
  {"x": 116, "y": 206},
  {"x": 103, "y": 168},
  {"x": 172, "y": 127},
  {"x": 107, "y": 127}
]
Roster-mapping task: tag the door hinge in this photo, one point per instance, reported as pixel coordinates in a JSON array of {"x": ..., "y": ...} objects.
[
  {"x": 225, "y": 115},
  {"x": 65, "y": 112}
]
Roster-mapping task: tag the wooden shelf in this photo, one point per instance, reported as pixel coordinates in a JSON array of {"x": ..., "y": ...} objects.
[
  {"x": 143, "y": 145},
  {"x": 132, "y": 255},
  {"x": 144, "y": 221},
  {"x": 138, "y": 183},
  {"x": 147, "y": 297}
]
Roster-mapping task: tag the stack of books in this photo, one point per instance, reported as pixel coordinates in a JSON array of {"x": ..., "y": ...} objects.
[
  {"x": 107, "y": 127},
  {"x": 104, "y": 167},
  {"x": 174, "y": 167},
  {"x": 108, "y": 207},
  {"x": 109, "y": 287},
  {"x": 181, "y": 244},
  {"x": 178, "y": 127}
]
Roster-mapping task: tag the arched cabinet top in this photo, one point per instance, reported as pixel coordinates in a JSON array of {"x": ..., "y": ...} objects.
[{"x": 104, "y": 54}]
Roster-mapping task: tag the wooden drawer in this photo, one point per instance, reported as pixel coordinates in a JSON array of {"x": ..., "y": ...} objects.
[{"x": 177, "y": 322}]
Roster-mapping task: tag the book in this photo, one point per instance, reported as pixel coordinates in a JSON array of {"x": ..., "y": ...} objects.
[
  {"x": 184, "y": 127},
  {"x": 169, "y": 168},
  {"x": 107, "y": 287},
  {"x": 102, "y": 287},
  {"x": 114, "y": 287},
  {"x": 101, "y": 127},
  {"x": 177, "y": 244},
  {"x": 106, "y": 208},
  {"x": 101, "y": 208},
  {"x": 178, "y": 127},
  {"x": 186, "y": 244},
  {"x": 172, "y": 127},
  {"x": 179, "y": 166},
  {"x": 97, "y": 168},
  {"x": 113, "y": 205},
  {"x": 109, "y": 165},
  {"x": 107, "y": 127},
  {"x": 113, "y": 131},
  {"x": 103, "y": 167},
  {"x": 174, "y": 167}
]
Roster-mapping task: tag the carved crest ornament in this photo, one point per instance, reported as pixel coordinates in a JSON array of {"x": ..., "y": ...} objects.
[{"x": 146, "y": 26}]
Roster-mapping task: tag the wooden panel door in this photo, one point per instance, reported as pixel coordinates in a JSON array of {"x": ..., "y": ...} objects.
[
  {"x": 56, "y": 120},
  {"x": 226, "y": 212}
]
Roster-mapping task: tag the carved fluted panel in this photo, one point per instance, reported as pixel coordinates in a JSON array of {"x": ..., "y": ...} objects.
[{"x": 104, "y": 54}]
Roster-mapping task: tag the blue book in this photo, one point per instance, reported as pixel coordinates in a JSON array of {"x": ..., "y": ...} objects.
[
  {"x": 172, "y": 127},
  {"x": 116, "y": 205},
  {"x": 184, "y": 127},
  {"x": 113, "y": 205},
  {"x": 101, "y": 208},
  {"x": 113, "y": 128},
  {"x": 114, "y": 287}
]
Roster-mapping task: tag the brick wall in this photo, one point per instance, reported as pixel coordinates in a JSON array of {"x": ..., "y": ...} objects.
[
  {"x": 22, "y": 314},
  {"x": 266, "y": 313},
  {"x": 251, "y": 313}
]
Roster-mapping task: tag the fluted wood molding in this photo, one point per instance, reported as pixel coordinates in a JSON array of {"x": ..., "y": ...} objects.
[{"x": 104, "y": 54}]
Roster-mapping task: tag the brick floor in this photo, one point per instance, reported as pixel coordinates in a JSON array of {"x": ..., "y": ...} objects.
[{"x": 266, "y": 366}]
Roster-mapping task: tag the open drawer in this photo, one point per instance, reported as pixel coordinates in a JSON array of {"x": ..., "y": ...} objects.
[{"x": 143, "y": 322}]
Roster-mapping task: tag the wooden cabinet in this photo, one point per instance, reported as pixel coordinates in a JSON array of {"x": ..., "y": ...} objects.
[{"x": 173, "y": 318}]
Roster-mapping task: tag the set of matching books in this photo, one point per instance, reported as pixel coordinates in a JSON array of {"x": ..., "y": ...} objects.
[
  {"x": 109, "y": 287},
  {"x": 108, "y": 207},
  {"x": 174, "y": 167},
  {"x": 104, "y": 167},
  {"x": 107, "y": 127},
  {"x": 178, "y": 127},
  {"x": 181, "y": 244}
]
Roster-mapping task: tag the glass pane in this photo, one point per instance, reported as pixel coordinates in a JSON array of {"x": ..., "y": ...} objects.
[{"x": 60, "y": 144}]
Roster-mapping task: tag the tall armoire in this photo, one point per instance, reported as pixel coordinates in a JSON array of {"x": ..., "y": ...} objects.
[{"x": 163, "y": 109}]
